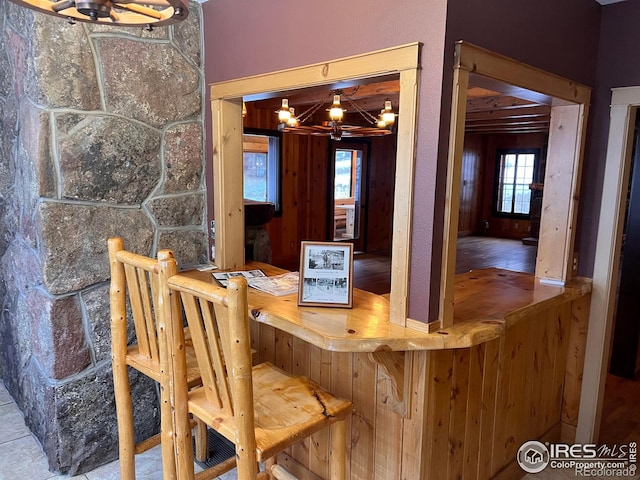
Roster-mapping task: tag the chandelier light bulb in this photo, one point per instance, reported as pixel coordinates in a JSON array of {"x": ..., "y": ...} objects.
[
  {"x": 284, "y": 114},
  {"x": 307, "y": 123},
  {"x": 387, "y": 114},
  {"x": 293, "y": 120},
  {"x": 336, "y": 112}
]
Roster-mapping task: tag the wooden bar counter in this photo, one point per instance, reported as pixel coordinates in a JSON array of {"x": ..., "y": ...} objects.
[{"x": 455, "y": 403}]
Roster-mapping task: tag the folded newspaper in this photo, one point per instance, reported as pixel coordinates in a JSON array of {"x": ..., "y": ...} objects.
[{"x": 277, "y": 285}]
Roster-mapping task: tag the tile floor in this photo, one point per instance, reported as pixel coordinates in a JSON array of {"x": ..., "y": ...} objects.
[{"x": 21, "y": 457}]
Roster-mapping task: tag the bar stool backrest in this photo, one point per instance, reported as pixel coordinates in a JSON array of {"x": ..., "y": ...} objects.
[
  {"x": 219, "y": 325},
  {"x": 261, "y": 409},
  {"x": 134, "y": 281}
]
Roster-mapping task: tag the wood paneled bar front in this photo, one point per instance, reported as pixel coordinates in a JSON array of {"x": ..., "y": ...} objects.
[{"x": 454, "y": 403}]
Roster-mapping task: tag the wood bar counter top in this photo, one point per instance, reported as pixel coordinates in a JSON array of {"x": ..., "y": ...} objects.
[
  {"x": 487, "y": 302},
  {"x": 454, "y": 403}
]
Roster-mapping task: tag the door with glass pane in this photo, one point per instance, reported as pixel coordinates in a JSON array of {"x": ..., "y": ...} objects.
[{"x": 348, "y": 204}]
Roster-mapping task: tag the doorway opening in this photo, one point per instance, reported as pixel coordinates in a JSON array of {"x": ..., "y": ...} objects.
[
  {"x": 477, "y": 68},
  {"x": 625, "y": 103},
  {"x": 348, "y": 199},
  {"x": 399, "y": 63}
]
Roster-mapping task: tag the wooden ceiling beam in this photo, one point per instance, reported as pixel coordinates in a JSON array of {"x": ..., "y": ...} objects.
[
  {"x": 507, "y": 129},
  {"x": 480, "y": 104},
  {"x": 493, "y": 126},
  {"x": 364, "y": 94},
  {"x": 496, "y": 122},
  {"x": 524, "y": 112},
  {"x": 487, "y": 111}
]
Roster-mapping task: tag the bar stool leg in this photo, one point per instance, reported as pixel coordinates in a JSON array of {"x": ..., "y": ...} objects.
[
  {"x": 202, "y": 440},
  {"x": 337, "y": 455},
  {"x": 124, "y": 413}
]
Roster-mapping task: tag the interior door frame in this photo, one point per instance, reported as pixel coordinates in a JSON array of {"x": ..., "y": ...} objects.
[
  {"x": 226, "y": 107},
  {"x": 624, "y": 105},
  {"x": 359, "y": 243},
  {"x": 569, "y": 111}
]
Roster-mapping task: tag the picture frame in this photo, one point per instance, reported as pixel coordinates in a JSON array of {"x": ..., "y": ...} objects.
[{"x": 326, "y": 274}]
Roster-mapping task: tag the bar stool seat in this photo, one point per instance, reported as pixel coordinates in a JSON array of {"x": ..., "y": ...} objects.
[{"x": 287, "y": 409}]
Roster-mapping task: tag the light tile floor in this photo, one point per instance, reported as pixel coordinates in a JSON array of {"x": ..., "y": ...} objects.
[{"x": 22, "y": 458}]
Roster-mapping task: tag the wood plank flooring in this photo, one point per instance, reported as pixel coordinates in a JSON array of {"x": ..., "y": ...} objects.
[
  {"x": 372, "y": 272},
  {"x": 485, "y": 252},
  {"x": 620, "y": 413}
]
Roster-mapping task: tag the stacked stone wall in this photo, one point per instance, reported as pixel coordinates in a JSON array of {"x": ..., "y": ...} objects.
[{"x": 101, "y": 134}]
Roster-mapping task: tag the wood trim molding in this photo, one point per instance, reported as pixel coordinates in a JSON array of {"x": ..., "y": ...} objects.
[
  {"x": 568, "y": 113},
  {"x": 229, "y": 202},
  {"x": 493, "y": 65},
  {"x": 403, "y": 198},
  {"x": 559, "y": 203},
  {"x": 452, "y": 199},
  {"x": 226, "y": 100},
  {"x": 624, "y": 104},
  {"x": 374, "y": 64}
]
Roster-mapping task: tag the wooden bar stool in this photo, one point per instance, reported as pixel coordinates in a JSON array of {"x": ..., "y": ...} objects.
[
  {"x": 261, "y": 409},
  {"x": 135, "y": 277}
]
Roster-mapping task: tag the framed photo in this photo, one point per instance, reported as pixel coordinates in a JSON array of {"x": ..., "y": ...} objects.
[{"x": 326, "y": 278}]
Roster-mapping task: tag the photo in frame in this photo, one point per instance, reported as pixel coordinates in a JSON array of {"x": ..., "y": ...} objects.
[{"x": 326, "y": 274}]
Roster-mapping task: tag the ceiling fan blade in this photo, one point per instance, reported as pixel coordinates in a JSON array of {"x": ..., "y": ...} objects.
[
  {"x": 140, "y": 9},
  {"x": 114, "y": 16},
  {"x": 155, "y": 3},
  {"x": 63, "y": 5}
]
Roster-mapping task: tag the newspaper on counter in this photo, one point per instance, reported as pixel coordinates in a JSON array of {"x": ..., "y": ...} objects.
[
  {"x": 277, "y": 285},
  {"x": 223, "y": 277}
]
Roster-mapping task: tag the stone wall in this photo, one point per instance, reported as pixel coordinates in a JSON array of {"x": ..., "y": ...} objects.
[{"x": 101, "y": 134}]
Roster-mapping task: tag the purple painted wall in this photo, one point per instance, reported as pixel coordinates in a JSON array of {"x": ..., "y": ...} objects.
[
  {"x": 559, "y": 37},
  {"x": 617, "y": 67},
  {"x": 245, "y": 38}
]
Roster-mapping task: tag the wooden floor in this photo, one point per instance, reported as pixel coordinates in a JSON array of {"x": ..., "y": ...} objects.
[
  {"x": 484, "y": 252},
  {"x": 372, "y": 272},
  {"x": 621, "y": 413}
]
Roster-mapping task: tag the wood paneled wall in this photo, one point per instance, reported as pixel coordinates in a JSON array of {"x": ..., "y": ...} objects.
[
  {"x": 470, "y": 221},
  {"x": 381, "y": 179},
  {"x": 476, "y": 193},
  {"x": 471, "y": 408},
  {"x": 306, "y": 195}
]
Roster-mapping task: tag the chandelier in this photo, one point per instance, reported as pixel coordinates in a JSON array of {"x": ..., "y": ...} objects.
[
  {"x": 130, "y": 13},
  {"x": 334, "y": 126}
]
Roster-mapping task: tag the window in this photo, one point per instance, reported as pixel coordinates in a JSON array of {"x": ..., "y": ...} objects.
[
  {"x": 347, "y": 176},
  {"x": 516, "y": 170},
  {"x": 261, "y": 162},
  {"x": 346, "y": 192}
]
